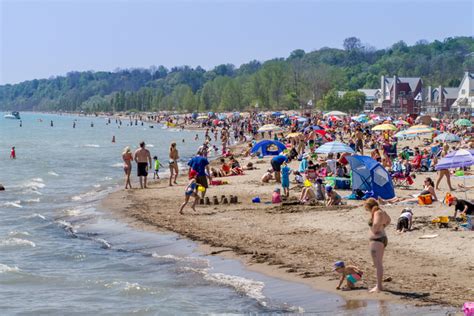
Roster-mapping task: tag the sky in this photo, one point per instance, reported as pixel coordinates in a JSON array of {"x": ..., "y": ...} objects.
[{"x": 40, "y": 39}]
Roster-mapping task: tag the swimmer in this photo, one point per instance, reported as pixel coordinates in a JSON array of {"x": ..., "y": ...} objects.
[{"x": 13, "y": 153}]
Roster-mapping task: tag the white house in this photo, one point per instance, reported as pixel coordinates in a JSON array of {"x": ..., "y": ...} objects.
[{"x": 465, "y": 100}]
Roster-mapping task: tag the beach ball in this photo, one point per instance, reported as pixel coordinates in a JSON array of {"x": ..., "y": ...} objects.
[{"x": 201, "y": 188}]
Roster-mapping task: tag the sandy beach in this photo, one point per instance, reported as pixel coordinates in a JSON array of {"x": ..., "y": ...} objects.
[{"x": 301, "y": 242}]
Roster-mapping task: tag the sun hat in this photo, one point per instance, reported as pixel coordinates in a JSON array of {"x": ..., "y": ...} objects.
[
  {"x": 339, "y": 264},
  {"x": 328, "y": 188}
]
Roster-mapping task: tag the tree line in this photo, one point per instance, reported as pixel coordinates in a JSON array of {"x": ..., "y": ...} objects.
[{"x": 280, "y": 83}]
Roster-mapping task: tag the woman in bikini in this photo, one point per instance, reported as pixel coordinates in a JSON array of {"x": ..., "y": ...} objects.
[
  {"x": 378, "y": 240},
  {"x": 174, "y": 156},
  {"x": 428, "y": 188},
  {"x": 127, "y": 158}
]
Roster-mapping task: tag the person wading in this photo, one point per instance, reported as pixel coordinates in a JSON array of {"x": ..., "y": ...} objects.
[{"x": 143, "y": 159}]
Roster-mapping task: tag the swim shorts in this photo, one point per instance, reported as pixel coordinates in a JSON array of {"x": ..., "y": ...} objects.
[{"x": 141, "y": 169}]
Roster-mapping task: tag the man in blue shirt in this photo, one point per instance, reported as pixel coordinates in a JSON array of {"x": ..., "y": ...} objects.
[
  {"x": 200, "y": 164},
  {"x": 276, "y": 163}
]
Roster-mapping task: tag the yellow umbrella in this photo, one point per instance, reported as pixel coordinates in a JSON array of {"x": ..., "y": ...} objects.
[
  {"x": 419, "y": 129},
  {"x": 385, "y": 127}
]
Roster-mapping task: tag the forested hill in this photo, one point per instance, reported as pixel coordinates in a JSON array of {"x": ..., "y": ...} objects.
[{"x": 275, "y": 84}]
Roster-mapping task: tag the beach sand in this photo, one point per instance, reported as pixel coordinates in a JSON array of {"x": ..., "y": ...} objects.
[{"x": 301, "y": 243}]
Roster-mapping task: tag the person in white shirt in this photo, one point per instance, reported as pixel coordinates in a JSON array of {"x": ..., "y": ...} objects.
[{"x": 405, "y": 220}]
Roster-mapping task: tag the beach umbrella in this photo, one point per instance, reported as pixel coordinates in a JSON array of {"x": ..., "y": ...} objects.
[
  {"x": 447, "y": 137},
  {"x": 301, "y": 119},
  {"x": 385, "y": 127},
  {"x": 401, "y": 122},
  {"x": 314, "y": 128},
  {"x": 202, "y": 117},
  {"x": 276, "y": 114},
  {"x": 459, "y": 159},
  {"x": 419, "y": 129},
  {"x": 270, "y": 128},
  {"x": 334, "y": 147},
  {"x": 463, "y": 122},
  {"x": 337, "y": 113}
]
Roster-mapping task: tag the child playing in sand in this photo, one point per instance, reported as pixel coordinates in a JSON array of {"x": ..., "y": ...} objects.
[
  {"x": 351, "y": 274},
  {"x": 190, "y": 191},
  {"x": 405, "y": 220},
  {"x": 332, "y": 197},
  {"x": 157, "y": 165},
  {"x": 276, "y": 197},
  {"x": 267, "y": 176},
  {"x": 285, "y": 179}
]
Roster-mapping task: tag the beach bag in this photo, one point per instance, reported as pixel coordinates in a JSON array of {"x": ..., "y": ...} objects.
[{"x": 425, "y": 199}]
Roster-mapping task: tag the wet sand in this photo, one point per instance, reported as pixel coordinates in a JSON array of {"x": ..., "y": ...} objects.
[{"x": 301, "y": 242}]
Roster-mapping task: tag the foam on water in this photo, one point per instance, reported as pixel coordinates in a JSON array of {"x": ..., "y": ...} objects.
[
  {"x": 91, "y": 145},
  {"x": 11, "y": 242},
  {"x": 250, "y": 288},
  {"x": 32, "y": 200},
  {"x": 173, "y": 258},
  {"x": 5, "y": 268},
  {"x": 14, "y": 204},
  {"x": 18, "y": 234},
  {"x": 35, "y": 215},
  {"x": 117, "y": 165},
  {"x": 54, "y": 174}
]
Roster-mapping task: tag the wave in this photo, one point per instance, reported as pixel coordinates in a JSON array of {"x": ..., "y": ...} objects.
[
  {"x": 172, "y": 258},
  {"x": 18, "y": 234},
  {"x": 104, "y": 243},
  {"x": 33, "y": 184},
  {"x": 91, "y": 145},
  {"x": 9, "y": 242},
  {"x": 14, "y": 204},
  {"x": 248, "y": 287},
  {"x": 4, "y": 268},
  {"x": 36, "y": 215},
  {"x": 88, "y": 195},
  {"x": 150, "y": 145},
  {"x": 32, "y": 200},
  {"x": 52, "y": 173}
]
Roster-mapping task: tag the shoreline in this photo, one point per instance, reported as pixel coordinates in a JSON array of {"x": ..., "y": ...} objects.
[{"x": 235, "y": 231}]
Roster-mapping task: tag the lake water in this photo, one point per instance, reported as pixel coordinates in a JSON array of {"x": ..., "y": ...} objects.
[{"x": 60, "y": 253}]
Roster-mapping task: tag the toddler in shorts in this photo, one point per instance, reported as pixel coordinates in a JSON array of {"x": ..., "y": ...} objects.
[{"x": 351, "y": 274}]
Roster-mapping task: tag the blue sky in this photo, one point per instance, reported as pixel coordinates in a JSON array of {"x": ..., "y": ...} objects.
[{"x": 39, "y": 39}]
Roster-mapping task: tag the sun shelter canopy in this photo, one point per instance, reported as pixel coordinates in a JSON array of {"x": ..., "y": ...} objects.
[
  {"x": 369, "y": 175},
  {"x": 268, "y": 148}
]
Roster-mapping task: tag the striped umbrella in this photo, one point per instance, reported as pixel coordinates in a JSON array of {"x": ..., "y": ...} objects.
[
  {"x": 460, "y": 159},
  {"x": 270, "y": 128},
  {"x": 334, "y": 147},
  {"x": 419, "y": 129},
  {"x": 385, "y": 127}
]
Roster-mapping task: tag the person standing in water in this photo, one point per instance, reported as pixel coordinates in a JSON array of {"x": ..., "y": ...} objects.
[
  {"x": 52, "y": 124},
  {"x": 127, "y": 158},
  {"x": 173, "y": 163},
  {"x": 13, "y": 153},
  {"x": 143, "y": 159}
]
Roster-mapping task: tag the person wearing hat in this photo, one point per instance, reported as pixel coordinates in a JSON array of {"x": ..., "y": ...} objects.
[
  {"x": 313, "y": 193},
  {"x": 351, "y": 274},
  {"x": 332, "y": 197},
  {"x": 190, "y": 191},
  {"x": 463, "y": 206}
]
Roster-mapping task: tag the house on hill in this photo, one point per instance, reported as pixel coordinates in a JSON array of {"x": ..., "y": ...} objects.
[
  {"x": 402, "y": 95},
  {"x": 439, "y": 99},
  {"x": 464, "y": 102}
]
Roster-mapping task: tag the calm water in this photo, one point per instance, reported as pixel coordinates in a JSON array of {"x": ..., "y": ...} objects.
[{"x": 60, "y": 254}]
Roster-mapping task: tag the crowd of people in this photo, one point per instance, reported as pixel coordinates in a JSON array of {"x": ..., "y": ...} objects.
[{"x": 319, "y": 176}]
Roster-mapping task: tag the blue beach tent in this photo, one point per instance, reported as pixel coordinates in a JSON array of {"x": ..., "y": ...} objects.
[
  {"x": 369, "y": 175},
  {"x": 264, "y": 145}
]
